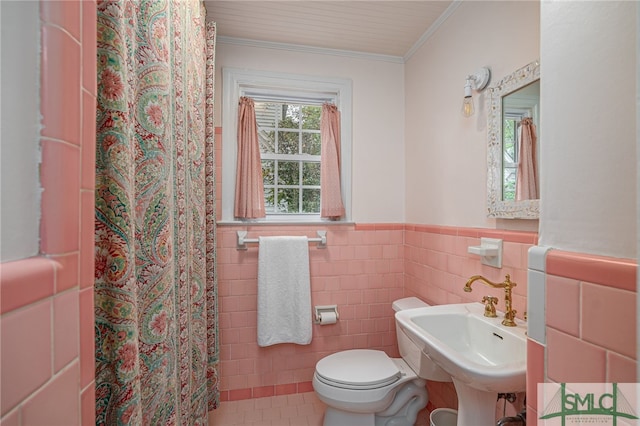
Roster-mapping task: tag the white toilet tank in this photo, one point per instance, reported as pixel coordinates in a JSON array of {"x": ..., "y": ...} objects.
[{"x": 423, "y": 366}]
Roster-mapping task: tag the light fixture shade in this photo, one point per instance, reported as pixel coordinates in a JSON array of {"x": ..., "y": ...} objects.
[{"x": 467, "y": 106}]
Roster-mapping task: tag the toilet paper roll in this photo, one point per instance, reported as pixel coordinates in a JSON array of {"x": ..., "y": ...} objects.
[{"x": 328, "y": 318}]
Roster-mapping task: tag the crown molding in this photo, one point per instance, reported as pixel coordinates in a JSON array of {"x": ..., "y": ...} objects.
[{"x": 432, "y": 29}]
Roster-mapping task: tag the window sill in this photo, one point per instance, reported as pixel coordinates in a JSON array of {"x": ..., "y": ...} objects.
[{"x": 284, "y": 223}]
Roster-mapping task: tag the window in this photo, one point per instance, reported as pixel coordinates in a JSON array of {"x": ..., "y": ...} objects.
[
  {"x": 510, "y": 156},
  {"x": 510, "y": 150},
  {"x": 288, "y": 109},
  {"x": 289, "y": 136}
]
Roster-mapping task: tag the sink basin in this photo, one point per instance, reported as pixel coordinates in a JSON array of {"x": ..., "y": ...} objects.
[
  {"x": 476, "y": 350},
  {"x": 482, "y": 356}
]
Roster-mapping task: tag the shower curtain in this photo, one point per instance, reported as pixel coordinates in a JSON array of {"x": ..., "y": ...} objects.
[{"x": 155, "y": 290}]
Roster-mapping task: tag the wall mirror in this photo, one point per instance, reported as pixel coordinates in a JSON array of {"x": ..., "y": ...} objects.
[{"x": 513, "y": 117}]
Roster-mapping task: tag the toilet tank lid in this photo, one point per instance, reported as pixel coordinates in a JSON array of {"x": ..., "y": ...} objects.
[{"x": 408, "y": 303}]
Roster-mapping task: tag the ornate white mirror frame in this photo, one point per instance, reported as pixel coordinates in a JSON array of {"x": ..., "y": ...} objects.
[{"x": 497, "y": 207}]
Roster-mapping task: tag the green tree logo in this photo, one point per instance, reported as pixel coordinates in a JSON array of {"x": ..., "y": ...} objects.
[{"x": 584, "y": 407}]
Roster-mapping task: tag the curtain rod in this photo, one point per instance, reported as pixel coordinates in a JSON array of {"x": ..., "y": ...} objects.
[{"x": 290, "y": 99}]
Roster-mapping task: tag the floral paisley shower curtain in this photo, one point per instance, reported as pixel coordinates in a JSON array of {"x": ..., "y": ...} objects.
[{"x": 155, "y": 291}]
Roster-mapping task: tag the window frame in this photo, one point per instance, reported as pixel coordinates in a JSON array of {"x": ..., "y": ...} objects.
[{"x": 281, "y": 87}]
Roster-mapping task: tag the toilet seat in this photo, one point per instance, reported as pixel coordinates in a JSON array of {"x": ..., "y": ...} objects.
[{"x": 358, "y": 369}]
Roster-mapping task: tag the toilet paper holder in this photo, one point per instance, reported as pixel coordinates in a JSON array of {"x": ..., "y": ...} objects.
[{"x": 320, "y": 309}]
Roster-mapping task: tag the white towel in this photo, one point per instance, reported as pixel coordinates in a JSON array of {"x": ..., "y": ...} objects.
[{"x": 284, "y": 291}]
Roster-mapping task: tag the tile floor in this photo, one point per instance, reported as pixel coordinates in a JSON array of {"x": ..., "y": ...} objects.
[{"x": 301, "y": 409}]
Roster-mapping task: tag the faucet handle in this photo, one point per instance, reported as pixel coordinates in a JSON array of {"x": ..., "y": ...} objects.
[{"x": 489, "y": 306}]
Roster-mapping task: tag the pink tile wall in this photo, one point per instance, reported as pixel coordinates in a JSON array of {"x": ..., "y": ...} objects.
[
  {"x": 46, "y": 313},
  {"x": 591, "y": 310},
  {"x": 535, "y": 375},
  {"x": 437, "y": 265},
  {"x": 361, "y": 271},
  {"x": 591, "y": 322}
]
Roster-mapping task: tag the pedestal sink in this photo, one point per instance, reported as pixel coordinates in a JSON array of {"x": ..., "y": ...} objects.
[{"x": 482, "y": 356}]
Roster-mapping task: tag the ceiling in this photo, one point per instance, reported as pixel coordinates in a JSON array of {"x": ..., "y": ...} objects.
[{"x": 391, "y": 28}]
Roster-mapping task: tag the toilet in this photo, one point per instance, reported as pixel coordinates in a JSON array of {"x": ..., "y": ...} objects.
[{"x": 365, "y": 387}]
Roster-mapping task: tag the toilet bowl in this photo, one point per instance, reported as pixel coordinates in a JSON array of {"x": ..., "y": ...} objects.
[{"x": 365, "y": 387}]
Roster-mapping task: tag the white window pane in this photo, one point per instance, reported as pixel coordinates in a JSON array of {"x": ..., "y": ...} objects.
[
  {"x": 311, "y": 143},
  {"x": 288, "y": 173},
  {"x": 311, "y": 173},
  {"x": 288, "y": 200},
  {"x": 288, "y": 142},
  {"x": 311, "y": 201},
  {"x": 311, "y": 117}
]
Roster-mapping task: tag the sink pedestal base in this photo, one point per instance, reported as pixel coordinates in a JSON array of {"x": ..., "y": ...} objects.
[{"x": 475, "y": 407}]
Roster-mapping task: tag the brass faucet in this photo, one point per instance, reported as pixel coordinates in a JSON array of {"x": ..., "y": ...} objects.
[{"x": 509, "y": 314}]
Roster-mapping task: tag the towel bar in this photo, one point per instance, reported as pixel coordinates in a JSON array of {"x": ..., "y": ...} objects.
[{"x": 243, "y": 240}]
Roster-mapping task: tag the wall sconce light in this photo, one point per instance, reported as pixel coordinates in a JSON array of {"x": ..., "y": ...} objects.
[{"x": 477, "y": 81}]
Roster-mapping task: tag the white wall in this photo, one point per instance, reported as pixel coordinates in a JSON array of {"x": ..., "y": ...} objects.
[
  {"x": 446, "y": 154},
  {"x": 20, "y": 130},
  {"x": 417, "y": 160},
  {"x": 378, "y": 119},
  {"x": 588, "y": 110}
]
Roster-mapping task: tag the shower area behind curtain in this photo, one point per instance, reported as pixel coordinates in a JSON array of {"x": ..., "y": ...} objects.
[{"x": 155, "y": 292}]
